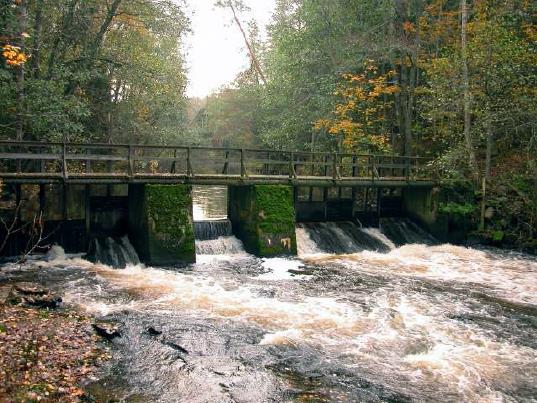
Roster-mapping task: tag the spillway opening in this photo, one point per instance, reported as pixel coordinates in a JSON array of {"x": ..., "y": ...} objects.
[
  {"x": 212, "y": 227},
  {"x": 349, "y": 237}
]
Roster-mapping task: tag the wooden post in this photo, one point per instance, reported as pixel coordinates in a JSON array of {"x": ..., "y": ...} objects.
[
  {"x": 18, "y": 162},
  {"x": 64, "y": 160},
  {"x": 41, "y": 198},
  {"x": 88, "y": 162},
  {"x": 334, "y": 167},
  {"x": 64, "y": 202},
  {"x": 292, "y": 171},
  {"x": 42, "y": 166},
  {"x": 131, "y": 163},
  {"x": 18, "y": 200},
  {"x": 87, "y": 212},
  {"x": 379, "y": 198},
  {"x": 243, "y": 165},
  {"x": 189, "y": 170},
  {"x": 173, "y": 168},
  {"x": 267, "y": 164},
  {"x": 226, "y": 164}
]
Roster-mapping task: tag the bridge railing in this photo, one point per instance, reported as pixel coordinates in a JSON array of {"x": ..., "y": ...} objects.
[{"x": 124, "y": 162}]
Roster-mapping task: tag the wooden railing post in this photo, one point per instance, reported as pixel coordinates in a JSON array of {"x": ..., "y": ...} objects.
[
  {"x": 189, "y": 170},
  {"x": 354, "y": 166},
  {"x": 334, "y": 166},
  {"x": 267, "y": 164},
  {"x": 407, "y": 168},
  {"x": 243, "y": 165},
  {"x": 42, "y": 166},
  {"x": 88, "y": 162},
  {"x": 18, "y": 162},
  {"x": 64, "y": 160},
  {"x": 131, "y": 162},
  {"x": 292, "y": 170},
  {"x": 226, "y": 164},
  {"x": 336, "y": 174}
]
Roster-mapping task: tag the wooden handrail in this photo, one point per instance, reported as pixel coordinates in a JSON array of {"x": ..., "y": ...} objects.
[
  {"x": 185, "y": 147},
  {"x": 28, "y": 160}
]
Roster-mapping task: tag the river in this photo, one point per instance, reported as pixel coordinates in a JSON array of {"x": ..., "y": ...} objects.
[{"x": 418, "y": 322}]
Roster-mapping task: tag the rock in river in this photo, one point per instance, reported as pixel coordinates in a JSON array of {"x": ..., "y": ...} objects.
[
  {"x": 107, "y": 330},
  {"x": 33, "y": 294}
]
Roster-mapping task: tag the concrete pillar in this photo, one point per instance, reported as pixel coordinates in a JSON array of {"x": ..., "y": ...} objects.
[
  {"x": 160, "y": 224},
  {"x": 421, "y": 204},
  {"x": 263, "y": 218}
]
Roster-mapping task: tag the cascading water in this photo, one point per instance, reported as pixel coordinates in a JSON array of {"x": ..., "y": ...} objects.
[
  {"x": 371, "y": 322},
  {"x": 212, "y": 229},
  {"x": 403, "y": 231},
  {"x": 339, "y": 237},
  {"x": 114, "y": 252},
  {"x": 224, "y": 245},
  {"x": 214, "y": 237}
]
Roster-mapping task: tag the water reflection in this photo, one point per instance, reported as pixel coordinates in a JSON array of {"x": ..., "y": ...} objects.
[{"x": 209, "y": 202}]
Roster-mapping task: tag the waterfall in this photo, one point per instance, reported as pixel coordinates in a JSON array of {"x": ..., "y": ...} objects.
[
  {"x": 339, "y": 237},
  {"x": 404, "y": 231},
  {"x": 224, "y": 245},
  {"x": 113, "y": 252},
  {"x": 212, "y": 229},
  {"x": 347, "y": 237},
  {"x": 215, "y": 237}
]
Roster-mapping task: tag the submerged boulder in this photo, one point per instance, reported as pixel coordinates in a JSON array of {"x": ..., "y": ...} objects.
[
  {"x": 153, "y": 332},
  {"x": 33, "y": 294},
  {"x": 107, "y": 330}
]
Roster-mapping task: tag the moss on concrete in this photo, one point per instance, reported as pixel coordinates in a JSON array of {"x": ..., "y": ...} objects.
[
  {"x": 263, "y": 217},
  {"x": 166, "y": 219}
]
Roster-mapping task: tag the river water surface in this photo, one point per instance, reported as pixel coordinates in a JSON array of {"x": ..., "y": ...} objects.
[{"x": 412, "y": 323}]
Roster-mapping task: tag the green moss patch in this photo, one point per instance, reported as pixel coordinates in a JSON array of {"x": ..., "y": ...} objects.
[{"x": 168, "y": 213}]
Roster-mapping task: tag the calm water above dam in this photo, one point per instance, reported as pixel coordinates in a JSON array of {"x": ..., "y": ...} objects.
[{"x": 354, "y": 318}]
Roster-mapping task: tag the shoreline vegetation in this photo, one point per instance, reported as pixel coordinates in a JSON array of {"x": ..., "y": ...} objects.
[{"x": 46, "y": 354}]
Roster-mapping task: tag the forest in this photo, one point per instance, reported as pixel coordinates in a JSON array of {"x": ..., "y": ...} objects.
[
  {"x": 453, "y": 80},
  {"x": 160, "y": 247}
]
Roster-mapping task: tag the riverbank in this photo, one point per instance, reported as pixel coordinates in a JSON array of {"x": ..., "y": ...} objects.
[{"x": 46, "y": 355}]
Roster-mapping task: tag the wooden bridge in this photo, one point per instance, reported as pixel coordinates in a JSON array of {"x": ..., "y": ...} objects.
[{"x": 23, "y": 162}]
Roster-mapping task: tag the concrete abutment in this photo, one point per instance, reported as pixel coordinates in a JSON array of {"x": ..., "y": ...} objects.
[
  {"x": 161, "y": 225},
  {"x": 263, "y": 218}
]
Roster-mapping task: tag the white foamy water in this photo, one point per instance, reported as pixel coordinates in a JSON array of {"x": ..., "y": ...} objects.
[
  {"x": 223, "y": 246},
  {"x": 305, "y": 245},
  {"x": 405, "y": 320},
  {"x": 280, "y": 268},
  {"x": 512, "y": 278}
]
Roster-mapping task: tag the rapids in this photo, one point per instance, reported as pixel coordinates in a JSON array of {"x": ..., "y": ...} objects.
[{"x": 416, "y": 322}]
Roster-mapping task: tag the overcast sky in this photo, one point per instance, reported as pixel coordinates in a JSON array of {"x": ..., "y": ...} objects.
[{"x": 215, "y": 50}]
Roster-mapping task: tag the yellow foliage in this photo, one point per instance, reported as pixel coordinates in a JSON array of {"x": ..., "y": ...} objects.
[
  {"x": 14, "y": 56},
  {"x": 360, "y": 115}
]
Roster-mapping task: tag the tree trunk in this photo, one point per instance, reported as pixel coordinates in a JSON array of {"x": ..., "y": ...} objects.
[
  {"x": 35, "y": 61},
  {"x": 67, "y": 21},
  {"x": 95, "y": 47},
  {"x": 467, "y": 96},
  {"x": 486, "y": 176},
  {"x": 253, "y": 56},
  {"x": 22, "y": 15}
]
